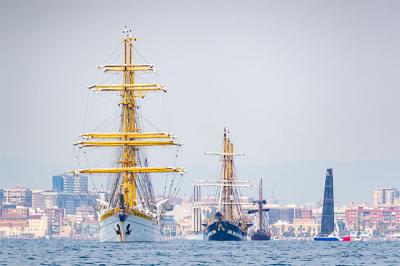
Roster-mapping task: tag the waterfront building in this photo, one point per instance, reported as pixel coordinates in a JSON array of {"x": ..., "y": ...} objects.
[
  {"x": 70, "y": 183},
  {"x": 12, "y": 227},
  {"x": 300, "y": 228},
  {"x": 18, "y": 196},
  {"x": 391, "y": 195},
  {"x": 55, "y": 220},
  {"x": 85, "y": 213},
  {"x": 13, "y": 221},
  {"x": 183, "y": 215},
  {"x": 340, "y": 214},
  {"x": 385, "y": 196},
  {"x": 71, "y": 201},
  {"x": 89, "y": 228},
  {"x": 352, "y": 216},
  {"x": 168, "y": 226},
  {"x": 306, "y": 213},
  {"x": 304, "y": 227},
  {"x": 66, "y": 231},
  {"x": 284, "y": 214},
  {"x": 68, "y": 201},
  {"x": 58, "y": 183},
  {"x": 70, "y": 192},
  {"x": 377, "y": 218},
  {"x": 275, "y": 216},
  {"x": 397, "y": 201},
  {"x": 42, "y": 199},
  {"x": 37, "y": 225},
  {"x": 1, "y": 197},
  {"x": 197, "y": 211},
  {"x": 37, "y": 201},
  {"x": 49, "y": 200},
  {"x": 10, "y": 211}
]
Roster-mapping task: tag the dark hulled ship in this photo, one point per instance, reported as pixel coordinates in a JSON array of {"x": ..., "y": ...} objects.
[
  {"x": 224, "y": 230},
  {"x": 261, "y": 233},
  {"x": 228, "y": 223}
]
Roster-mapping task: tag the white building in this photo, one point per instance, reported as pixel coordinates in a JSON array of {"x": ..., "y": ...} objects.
[
  {"x": 18, "y": 196},
  {"x": 37, "y": 226},
  {"x": 385, "y": 196}
]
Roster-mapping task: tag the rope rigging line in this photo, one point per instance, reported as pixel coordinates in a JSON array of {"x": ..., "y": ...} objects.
[
  {"x": 146, "y": 120},
  {"x": 137, "y": 156},
  {"x": 86, "y": 112},
  {"x": 178, "y": 185},
  {"x": 106, "y": 122},
  {"x": 141, "y": 55},
  {"x": 117, "y": 48}
]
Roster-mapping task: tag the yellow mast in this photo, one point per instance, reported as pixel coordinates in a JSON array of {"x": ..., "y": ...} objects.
[
  {"x": 231, "y": 177},
  {"x": 132, "y": 178},
  {"x": 125, "y": 124},
  {"x": 130, "y": 137},
  {"x": 228, "y": 176}
]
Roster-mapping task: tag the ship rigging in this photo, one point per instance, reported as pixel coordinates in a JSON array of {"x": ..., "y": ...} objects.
[
  {"x": 131, "y": 213},
  {"x": 229, "y": 221}
]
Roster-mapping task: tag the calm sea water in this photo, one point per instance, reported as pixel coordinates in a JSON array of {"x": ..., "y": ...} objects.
[{"x": 69, "y": 252}]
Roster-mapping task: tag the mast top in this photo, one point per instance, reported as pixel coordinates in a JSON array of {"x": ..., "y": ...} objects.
[
  {"x": 224, "y": 152},
  {"x": 127, "y": 33}
]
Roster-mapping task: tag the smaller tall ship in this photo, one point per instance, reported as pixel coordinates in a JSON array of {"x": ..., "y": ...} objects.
[
  {"x": 328, "y": 232},
  {"x": 229, "y": 222},
  {"x": 261, "y": 233}
]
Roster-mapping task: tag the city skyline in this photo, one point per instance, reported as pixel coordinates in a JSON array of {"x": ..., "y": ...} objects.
[
  {"x": 327, "y": 97},
  {"x": 381, "y": 195},
  {"x": 68, "y": 211}
]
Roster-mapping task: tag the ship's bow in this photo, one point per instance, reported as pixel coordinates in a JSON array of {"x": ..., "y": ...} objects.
[{"x": 128, "y": 228}]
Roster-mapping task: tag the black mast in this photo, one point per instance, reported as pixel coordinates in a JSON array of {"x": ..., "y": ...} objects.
[{"x": 261, "y": 233}]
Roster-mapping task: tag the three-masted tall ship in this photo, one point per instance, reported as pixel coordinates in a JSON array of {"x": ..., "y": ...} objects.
[
  {"x": 229, "y": 222},
  {"x": 131, "y": 212}
]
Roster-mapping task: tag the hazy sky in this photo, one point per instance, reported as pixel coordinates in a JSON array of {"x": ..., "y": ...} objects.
[{"x": 302, "y": 85}]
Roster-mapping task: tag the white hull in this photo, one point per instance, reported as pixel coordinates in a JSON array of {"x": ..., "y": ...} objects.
[{"x": 132, "y": 229}]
